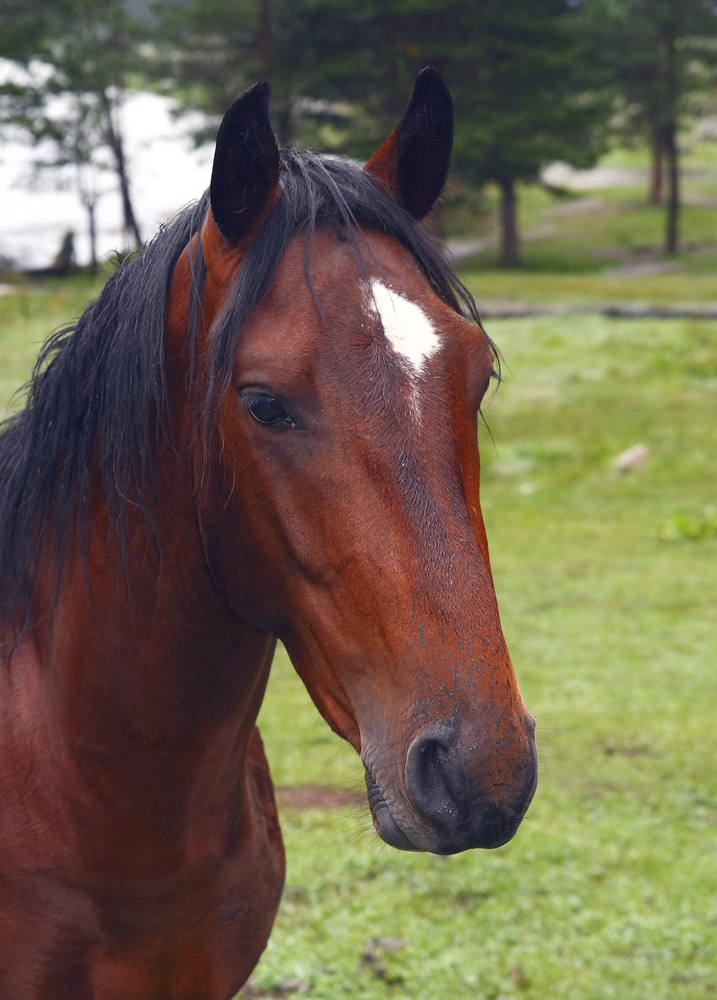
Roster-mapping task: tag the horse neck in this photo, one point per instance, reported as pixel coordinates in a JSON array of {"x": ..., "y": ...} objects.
[
  {"x": 137, "y": 668},
  {"x": 156, "y": 618}
]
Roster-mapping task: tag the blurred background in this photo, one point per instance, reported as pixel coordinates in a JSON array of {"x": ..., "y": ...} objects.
[
  {"x": 582, "y": 214},
  {"x": 106, "y": 108}
]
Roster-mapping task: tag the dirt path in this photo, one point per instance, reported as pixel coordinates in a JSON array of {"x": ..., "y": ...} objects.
[{"x": 496, "y": 309}]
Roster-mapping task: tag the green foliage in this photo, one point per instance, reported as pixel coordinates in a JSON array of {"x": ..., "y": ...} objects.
[
  {"x": 514, "y": 69},
  {"x": 533, "y": 80},
  {"x": 209, "y": 52},
  {"x": 525, "y": 96},
  {"x": 520, "y": 90},
  {"x": 86, "y": 46},
  {"x": 28, "y": 26},
  {"x": 523, "y": 93},
  {"x": 657, "y": 53}
]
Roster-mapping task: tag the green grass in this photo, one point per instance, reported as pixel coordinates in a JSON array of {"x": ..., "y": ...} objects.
[
  {"x": 591, "y": 288},
  {"x": 27, "y": 317},
  {"x": 608, "y": 588}
]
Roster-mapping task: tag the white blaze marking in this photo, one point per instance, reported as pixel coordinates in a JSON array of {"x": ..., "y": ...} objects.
[{"x": 405, "y": 325}]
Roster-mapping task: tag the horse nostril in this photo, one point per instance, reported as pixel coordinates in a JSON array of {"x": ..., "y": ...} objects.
[
  {"x": 434, "y": 779},
  {"x": 462, "y": 796}
]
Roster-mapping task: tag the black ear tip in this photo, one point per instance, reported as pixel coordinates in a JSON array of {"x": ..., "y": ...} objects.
[
  {"x": 252, "y": 105},
  {"x": 258, "y": 95},
  {"x": 429, "y": 76},
  {"x": 430, "y": 86}
]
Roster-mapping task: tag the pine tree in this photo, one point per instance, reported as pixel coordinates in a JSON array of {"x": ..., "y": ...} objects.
[
  {"x": 659, "y": 53},
  {"x": 524, "y": 92}
]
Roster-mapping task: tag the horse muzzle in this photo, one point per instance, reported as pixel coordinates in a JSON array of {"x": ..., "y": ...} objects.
[{"x": 453, "y": 795}]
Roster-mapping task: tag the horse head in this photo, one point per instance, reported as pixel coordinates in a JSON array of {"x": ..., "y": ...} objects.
[{"x": 337, "y": 474}]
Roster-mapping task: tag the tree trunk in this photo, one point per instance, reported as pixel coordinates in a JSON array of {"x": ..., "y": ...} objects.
[
  {"x": 509, "y": 247},
  {"x": 656, "y": 171},
  {"x": 671, "y": 149},
  {"x": 673, "y": 193},
  {"x": 283, "y": 117},
  {"x": 116, "y": 143},
  {"x": 111, "y": 125},
  {"x": 92, "y": 225},
  {"x": 87, "y": 190},
  {"x": 130, "y": 220}
]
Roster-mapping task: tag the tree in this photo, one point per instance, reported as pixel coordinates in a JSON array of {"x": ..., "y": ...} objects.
[
  {"x": 659, "y": 53},
  {"x": 28, "y": 25},
  {"x": 77, "y": 54},
  {"x": 211, "y": 51},
  {"x": 341, "y": 71},
  {"x": 523, "y": 95},
  {"x": 71, "y": 142}
]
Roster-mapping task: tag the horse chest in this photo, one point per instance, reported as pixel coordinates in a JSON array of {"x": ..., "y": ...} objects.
[
  {"x": 201, "y": 945},
  {"x": 76, "y": 924}
]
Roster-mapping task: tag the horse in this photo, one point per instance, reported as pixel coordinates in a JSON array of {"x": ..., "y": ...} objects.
[{"x": 264, "y": 428}]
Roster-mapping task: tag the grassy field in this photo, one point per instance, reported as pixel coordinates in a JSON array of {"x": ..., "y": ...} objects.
[{"x": 607, "y": 582}]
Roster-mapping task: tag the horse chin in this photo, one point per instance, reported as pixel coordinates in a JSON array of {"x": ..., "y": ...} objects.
[
  {"x": 392, "y": 833},
  {"x": 389, "y": 831},
  {"x": 383, "y": 819}
]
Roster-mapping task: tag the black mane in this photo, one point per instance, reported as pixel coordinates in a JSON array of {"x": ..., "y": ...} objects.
[{"x": 98, "y": 390}]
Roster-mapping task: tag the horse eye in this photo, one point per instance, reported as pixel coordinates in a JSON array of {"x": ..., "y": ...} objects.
[
  {"x": 268, "y": 411},
  {"x": 495, "y": 374}
]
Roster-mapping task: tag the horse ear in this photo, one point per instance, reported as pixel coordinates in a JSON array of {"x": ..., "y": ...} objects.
[
  {"x": 245, "y": 175},
  {"x": 413, "y": 162}
]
